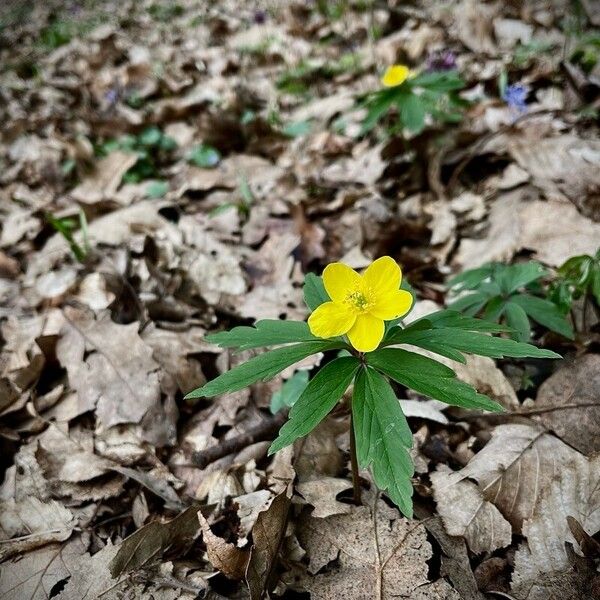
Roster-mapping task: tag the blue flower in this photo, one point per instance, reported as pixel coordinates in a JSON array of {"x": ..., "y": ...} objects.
[{"x": 515, "y": 96}]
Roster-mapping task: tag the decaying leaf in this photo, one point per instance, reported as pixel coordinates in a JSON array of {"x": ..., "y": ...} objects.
[
  {"x": 574, "y": 384},
  {"x": 465, "y": 512},
  {"x": 151, "y": 541},
  {"x": 110, "y": 366},
  {"x": 370, "y": 551},
  {"x": 224, "y": 556}
]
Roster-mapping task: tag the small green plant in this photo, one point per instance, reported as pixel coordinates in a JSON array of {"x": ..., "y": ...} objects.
[
  {"x": 152, "y": 147},
  {"x": 57, "y": 33},
  {"x": 578, "y": 277},
  {"x": 204, "y": 155},
  {"x": 360, "y": 315},
  {"x": 290, "y": 391},
  {"x": 508, "y": 294},
  {"x": 67, "y": 226},
  {"x": 165, "y": 11},
  {"x": 586, "y": 53},
  {"x": 414, "y": 97}
]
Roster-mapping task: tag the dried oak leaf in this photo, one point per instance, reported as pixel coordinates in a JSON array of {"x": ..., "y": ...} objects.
[
  {"x": 465, "y": 512},
  {"x": 110, "y": 367},
  {"x": 574, "y": 384},
  {"x": 370, "y": 552},
  {"x": 154, "y": 539}
]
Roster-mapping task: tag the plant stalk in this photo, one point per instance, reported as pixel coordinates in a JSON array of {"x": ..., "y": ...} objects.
[{"x": 356, "y": 490}]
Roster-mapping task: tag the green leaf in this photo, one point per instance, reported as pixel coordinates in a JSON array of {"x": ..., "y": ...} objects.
[
  {"x": 412, "y": 111},
  {"x": 516, "y": 317},
  {"x": 472, "y": 303},
  {"x": 423, "y": 375},
  {"x": 383, "y": 437},
  {"x": 513, "y": 277},
  {"x": 470, "y": 280},
  {"x": 297, "y": 128},
  {"x": 443, "y": 319},
  {"x": 314, "y": 291},
  {"x": 545, "y": 313},
  {"x": 268, "y": 332},
  {"x": 151, "y": 136},
  {"x": 441, "y": 81},
  {"x": 318, "y": 399},
  {"x": 157, "y": 189},
  {"x": 453, "y": 342},
  {"x": 290, "y": 391},
  {"x": 260, "y": 368},
  {"x": 204, "y": 156}
]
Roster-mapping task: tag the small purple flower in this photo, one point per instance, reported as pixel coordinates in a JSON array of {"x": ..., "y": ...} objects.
[
  {"x": 441, "y": 60},
  {"x": 515, "y": 96},
  {"x": 112, "y": 96},
  {"x": 260, "y": 16}
]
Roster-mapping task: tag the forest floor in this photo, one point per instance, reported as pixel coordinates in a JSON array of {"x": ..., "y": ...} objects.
[{"x": 169, "y": 169}]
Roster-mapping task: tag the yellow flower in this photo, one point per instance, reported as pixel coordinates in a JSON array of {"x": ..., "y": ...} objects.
[
  {"x": 396, "y": 75},
  {"x": 360, "y": 303}
]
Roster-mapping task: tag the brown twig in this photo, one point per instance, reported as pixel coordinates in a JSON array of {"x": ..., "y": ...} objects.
[
  {"x": 259, "y": 433},
  {"x": 530, "y": 411}
]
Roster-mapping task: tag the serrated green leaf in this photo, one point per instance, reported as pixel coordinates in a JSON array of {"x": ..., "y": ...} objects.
[
  {"x": 318, "y": 399},
  {"x": 314, "y": 291},
  {"x": 290, "y": 391},
  {"x": 260, "y": 368},
  {"x": 268, "y": 332},
  {"x": 450, "y": 341},
  {"x": 516, "y": 317},
  {"x": 545, "y": 313},
  {"x": 383, "y": 437},
  {"x": 419, "y": 374}
]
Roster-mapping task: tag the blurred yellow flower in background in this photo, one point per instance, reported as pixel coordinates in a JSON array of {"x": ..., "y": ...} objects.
[
  {"x": 360, "y": 303},
  {"x": 396, "y": 75}
]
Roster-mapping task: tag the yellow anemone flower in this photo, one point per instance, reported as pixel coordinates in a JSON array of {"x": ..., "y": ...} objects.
[
  {"x": 396, "y": 75},
  {"x": 360, "y": 303}
]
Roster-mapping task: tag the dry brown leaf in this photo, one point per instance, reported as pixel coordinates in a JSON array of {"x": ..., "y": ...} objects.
[
  {"x": 105, "y": 179},
  {"x": 573, "y": 384},
  {"x": 36, "y": 523},
  {"x": 555, "y": 231},
  {"x": 35, "y": 574},
  {"x": 267, "y": 536},
  {"x": 370, "y": 552},
  {"x": 465, "y": 512},
  {"x": 110, "y": 366},
  {"x": 152, "y": 540},
  {"x": 224, "y": 556},
  {"x": 321, "y": 494}
]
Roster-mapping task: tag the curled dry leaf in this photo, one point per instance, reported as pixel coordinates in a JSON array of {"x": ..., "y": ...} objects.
[{"x": 224, "y": 556}]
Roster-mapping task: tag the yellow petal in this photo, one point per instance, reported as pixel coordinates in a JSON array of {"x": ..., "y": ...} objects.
[
  {"x": 366, "y": 333},
  {"x": 383, "y": 275},
  {"x": 395, "y": 75},
  {"x": 339, "y": 280},
  {"x": 331, "y": 319},
  {"x": 391, "y": 305}
]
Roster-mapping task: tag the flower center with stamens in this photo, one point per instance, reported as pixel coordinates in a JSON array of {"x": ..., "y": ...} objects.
[{"x": 359, "y": 301}]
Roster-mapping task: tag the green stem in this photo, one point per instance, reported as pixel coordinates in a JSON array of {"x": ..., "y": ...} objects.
[{"x": 354, "y": 465}]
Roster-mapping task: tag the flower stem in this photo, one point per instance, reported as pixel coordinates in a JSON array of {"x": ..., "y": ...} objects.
[{"x": 354, "y": 465}]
